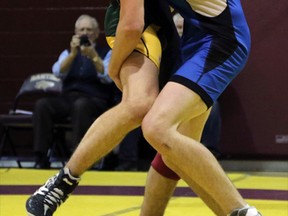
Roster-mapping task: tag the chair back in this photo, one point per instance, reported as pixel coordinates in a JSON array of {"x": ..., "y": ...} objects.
[{"x": 34, "y": 87}]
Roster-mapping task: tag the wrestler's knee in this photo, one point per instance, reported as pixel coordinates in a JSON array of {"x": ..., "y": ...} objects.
[
  {"x": 156, "y": 131},
  {"x": 137, "y": 108}
]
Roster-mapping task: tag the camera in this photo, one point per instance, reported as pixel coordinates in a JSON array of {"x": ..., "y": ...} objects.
[{"x": 84, "y": 41}]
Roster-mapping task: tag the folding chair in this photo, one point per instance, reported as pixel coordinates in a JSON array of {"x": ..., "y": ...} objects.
[{"x": 20, "y": 116}]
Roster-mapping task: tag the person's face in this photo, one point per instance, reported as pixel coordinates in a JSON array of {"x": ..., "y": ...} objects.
[{"x": 85, "y": 27}]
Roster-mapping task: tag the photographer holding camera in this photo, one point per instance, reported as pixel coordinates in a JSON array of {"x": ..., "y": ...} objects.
[{"x": 86, "y": 92}]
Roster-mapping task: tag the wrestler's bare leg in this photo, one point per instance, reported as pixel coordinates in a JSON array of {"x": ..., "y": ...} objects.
[
  {"x": 159, "y": 189},
  {"x": 192, "y": 161},
  {"x": 139, "y": 77}
]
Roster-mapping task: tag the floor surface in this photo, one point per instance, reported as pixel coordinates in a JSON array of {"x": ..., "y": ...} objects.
[{"x": 120, "y": 193}]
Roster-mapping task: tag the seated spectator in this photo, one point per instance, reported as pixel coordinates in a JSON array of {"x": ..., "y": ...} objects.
[{"x": 87, "y": 89}]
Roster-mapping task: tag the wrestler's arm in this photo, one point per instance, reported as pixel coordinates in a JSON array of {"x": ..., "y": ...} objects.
[{"x": 128, "y": 34}]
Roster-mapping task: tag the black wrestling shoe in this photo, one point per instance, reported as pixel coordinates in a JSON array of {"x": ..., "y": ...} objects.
[{"x": 52, "y": 194}]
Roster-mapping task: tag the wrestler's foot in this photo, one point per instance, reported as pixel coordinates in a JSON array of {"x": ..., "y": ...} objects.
[{"x": 52, "y": 194}]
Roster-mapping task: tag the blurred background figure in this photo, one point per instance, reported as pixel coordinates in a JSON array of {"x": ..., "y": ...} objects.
[
  {"x": 87, "y": 89},
  {"x": 179, "y": 23}
]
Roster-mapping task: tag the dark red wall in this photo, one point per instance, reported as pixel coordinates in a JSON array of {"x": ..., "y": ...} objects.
[{"x": 254, "y": 108}]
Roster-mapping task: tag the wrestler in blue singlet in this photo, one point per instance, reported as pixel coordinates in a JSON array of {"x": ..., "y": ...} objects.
[{"x": 215, "y": 45}]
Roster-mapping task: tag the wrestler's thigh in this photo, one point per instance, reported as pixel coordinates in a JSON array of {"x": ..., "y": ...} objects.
[
  {"x": 139, "y": 77},
  {"x": 194, "y": 127},
  {"x": 176, "y": 104}
]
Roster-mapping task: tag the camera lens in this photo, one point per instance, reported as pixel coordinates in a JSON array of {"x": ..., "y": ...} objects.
[{"x": 84, "y": 41}]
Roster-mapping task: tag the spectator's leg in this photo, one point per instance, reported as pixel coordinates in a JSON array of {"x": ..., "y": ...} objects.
[
  {"x": 85, "y": 110},
  {"x": 128, "y": 151},
  {"x": 45, "y": 111},
  {"x": 212, "y": 130}
]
